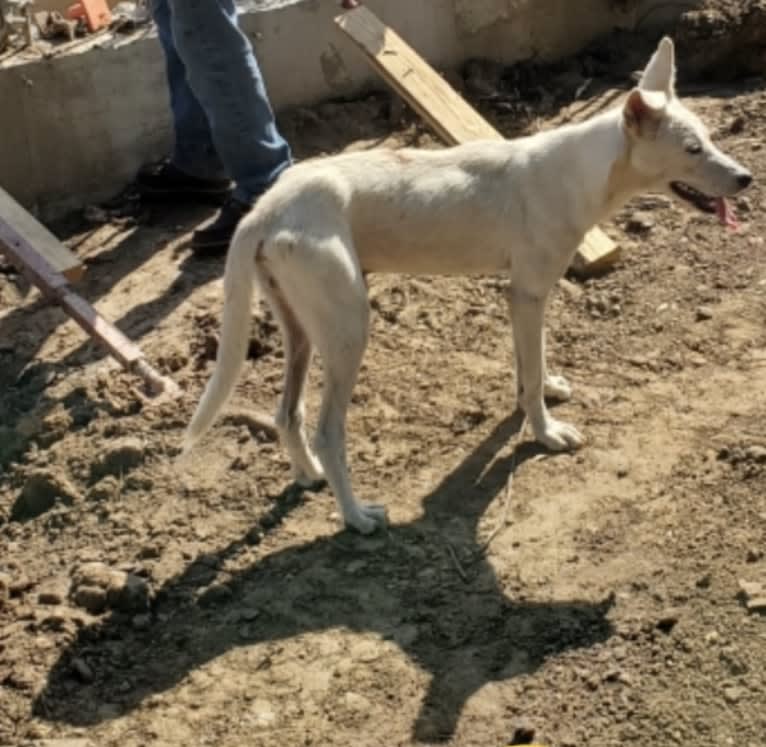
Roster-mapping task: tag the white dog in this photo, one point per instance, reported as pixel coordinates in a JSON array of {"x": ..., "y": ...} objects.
[{"x": 520, "y": 207}]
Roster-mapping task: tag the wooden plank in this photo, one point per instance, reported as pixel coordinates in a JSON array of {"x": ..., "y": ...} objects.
[
  {"x": 448, "y": 113},
  {"x": 18, "y": 228},
  {"x": 595, "y": 255},
  {"x": 55, "y": 286},
  {"x": 451, "y": 116},
  {"x": 122, "y": 349}
]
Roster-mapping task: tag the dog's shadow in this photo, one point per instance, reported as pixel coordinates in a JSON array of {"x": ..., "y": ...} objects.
[{"x": 424, "y": 585}]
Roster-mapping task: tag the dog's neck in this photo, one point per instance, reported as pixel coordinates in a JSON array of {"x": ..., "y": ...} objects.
[
  {"x": 602, "y": 168},
  {"x": 624, "y": 181}
]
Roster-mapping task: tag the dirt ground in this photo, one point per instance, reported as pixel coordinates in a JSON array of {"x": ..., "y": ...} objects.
[{"x": 599, "y": 598}]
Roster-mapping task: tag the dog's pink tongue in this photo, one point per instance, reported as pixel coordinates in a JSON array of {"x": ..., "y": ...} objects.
[{"x": 726, "y": 216}]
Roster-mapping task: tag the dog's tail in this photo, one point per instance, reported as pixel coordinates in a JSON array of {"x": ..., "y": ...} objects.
[{"x": 238, "y": 286}]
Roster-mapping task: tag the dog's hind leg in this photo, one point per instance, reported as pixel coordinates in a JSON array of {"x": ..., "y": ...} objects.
[
  {"x": 527, "y": 317},
  {"x": 289, "y": 419},
  {"x": 325, "y": 289},
  {"x": 342, "y": 346},
  {"x": 556, "y": 388}
]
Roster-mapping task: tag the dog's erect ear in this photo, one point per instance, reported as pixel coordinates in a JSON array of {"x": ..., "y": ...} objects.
[
  {"x": 660, "y": 73},
  {"x": 643, "y": 111}
]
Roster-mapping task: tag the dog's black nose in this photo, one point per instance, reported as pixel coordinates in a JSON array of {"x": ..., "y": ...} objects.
[{"x": 744, "y": 180}]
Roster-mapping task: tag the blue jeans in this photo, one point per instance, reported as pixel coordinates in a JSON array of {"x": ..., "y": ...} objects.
[{"x": 223, "y": 121}]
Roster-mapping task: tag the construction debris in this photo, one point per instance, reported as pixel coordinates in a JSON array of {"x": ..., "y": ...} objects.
[
  {"x": 16, "y": 25},
  {"x": 95, "y": 14},
  {"x": 127, "y": 16},
  {"x": 43, "y": 30},
  {"x": 52, "y": 25}
]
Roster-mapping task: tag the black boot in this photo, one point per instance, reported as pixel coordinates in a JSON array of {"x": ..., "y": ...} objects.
[
  {"x": 212, "y": 239},
  {"x": 165, "y": 182}
]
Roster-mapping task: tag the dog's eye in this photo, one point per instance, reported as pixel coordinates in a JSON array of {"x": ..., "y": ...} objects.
[{"x": 693, "y": 149}]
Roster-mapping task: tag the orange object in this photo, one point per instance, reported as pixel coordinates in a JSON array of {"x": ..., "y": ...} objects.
[{"x": 95, "y": 12}]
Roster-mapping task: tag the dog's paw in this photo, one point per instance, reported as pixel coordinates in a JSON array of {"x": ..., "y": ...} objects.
[
  {"x": 304, "y": 482},
  {"x": 560, "y": 436},
  {"x": 557, "y": 388},
  {"x": 309, "y": 480},
  {"x": 309, "y": 475},
  {"x": 367, "y": 519}
]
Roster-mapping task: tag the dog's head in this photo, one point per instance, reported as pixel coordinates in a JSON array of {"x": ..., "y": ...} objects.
[{"x": 671, "y": 147}]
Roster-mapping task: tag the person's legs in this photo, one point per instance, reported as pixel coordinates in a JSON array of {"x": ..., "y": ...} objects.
[
  {"x": 194, "y": 154},
  {"x": 223, "y": 75}
]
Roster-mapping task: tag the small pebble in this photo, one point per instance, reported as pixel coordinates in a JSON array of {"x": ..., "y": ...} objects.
[
  {"x": 733, "y": 695},
  {"x": 640, "y": 222},
  {"x": 523, "y": 734},
  {"x": 756, "y": 453},
  {"x": 704, "y": 582},
  {"x": 668, "y": 620},
  {"x": 50, "y": 597}
]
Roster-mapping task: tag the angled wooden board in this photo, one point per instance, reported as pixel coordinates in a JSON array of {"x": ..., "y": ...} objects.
[
  {"x": 22, "y": 235},
  {"x": 450, "y": 115},
  {"x": 34, "y": 249},
  {"x": 447, "y": 113}
]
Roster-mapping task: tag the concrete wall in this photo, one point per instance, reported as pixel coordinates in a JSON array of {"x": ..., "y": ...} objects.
[{"x": 76, "y": 127}]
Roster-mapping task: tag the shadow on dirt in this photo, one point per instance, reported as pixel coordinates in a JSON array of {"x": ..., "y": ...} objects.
[{"x": 461, "y": 627}]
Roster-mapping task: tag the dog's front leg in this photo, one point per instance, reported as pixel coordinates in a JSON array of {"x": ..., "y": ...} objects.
[{"x": 527, "y": 317}]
